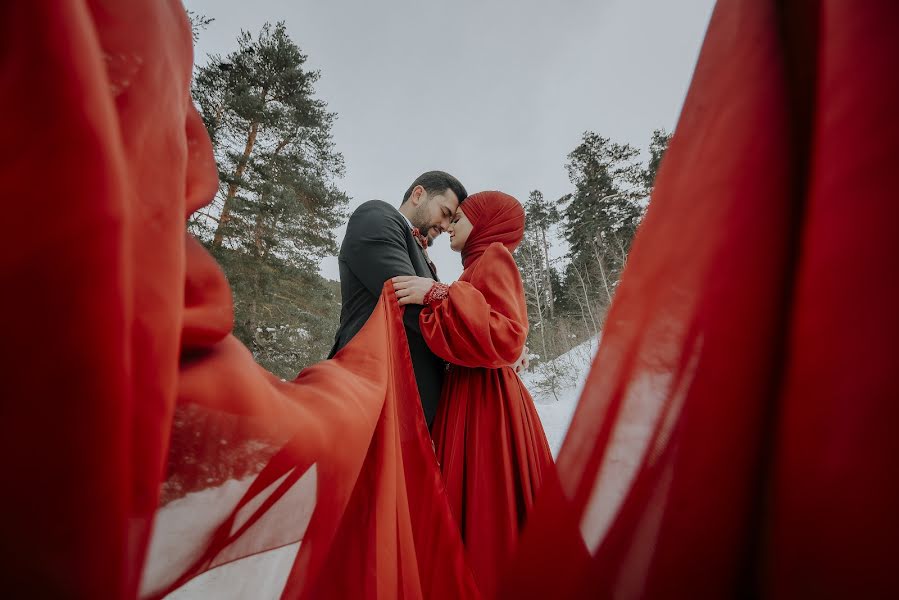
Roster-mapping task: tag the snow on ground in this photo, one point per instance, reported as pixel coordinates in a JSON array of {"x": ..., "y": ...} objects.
[
  {"x": 260, "y": 577},
  {"x": 185, "y": 525},
  {"x": 556, "y": 410}
]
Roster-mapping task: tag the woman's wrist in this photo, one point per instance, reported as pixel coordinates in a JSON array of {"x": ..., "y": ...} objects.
[{"x": 437, "y": 293}]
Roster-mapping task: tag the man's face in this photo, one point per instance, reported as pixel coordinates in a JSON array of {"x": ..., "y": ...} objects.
[{"x": 434, "y": 212}]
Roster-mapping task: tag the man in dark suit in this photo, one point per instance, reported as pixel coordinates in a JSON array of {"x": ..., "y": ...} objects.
[{"x": 383, "y": 241}]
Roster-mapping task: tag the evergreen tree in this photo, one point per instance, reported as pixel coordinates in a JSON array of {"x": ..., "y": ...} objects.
[
  {"x": 657, "y": 147},
  {"x": 269, "y": 227},
  {"x": 273, "y": 145},
  {"x": 548, "y": 335},
  {"x": 607, "y": 181},
  {"x": 278, "y": 205},
  {"x": 198, "y": 22},
  {"x": 601, "y": 218},
  {"x": 529, "y": 257},
  {"x": 542, "y": 216}
]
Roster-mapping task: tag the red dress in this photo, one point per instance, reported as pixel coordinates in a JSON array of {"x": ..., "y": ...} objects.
[{"x": 488, "y": 436}]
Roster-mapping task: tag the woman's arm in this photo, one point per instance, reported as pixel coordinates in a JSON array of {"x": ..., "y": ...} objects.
[{"x": 482, "y": 323}]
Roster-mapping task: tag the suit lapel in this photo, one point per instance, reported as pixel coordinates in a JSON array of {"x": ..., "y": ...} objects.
[{"x": 421, "y": 264}]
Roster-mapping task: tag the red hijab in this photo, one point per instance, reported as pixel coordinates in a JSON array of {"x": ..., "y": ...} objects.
[{"x": 495, "y": 217}]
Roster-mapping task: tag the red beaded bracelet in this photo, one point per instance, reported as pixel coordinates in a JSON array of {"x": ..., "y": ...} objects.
[{"x": 438, "y": 292}]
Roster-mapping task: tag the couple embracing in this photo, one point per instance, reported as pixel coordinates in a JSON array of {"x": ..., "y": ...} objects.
[{"x": 466, "y": 342}]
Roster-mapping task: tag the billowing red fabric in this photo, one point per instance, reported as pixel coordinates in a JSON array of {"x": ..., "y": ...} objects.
[
  {"x": 488, "y": 436},
  {"x": 397, "y": 537},
  {"x": 832, "y": 507},
  {"x": 380, "y": 525},
  {"x": 116, "y": 315},
  {"x": 105, "y": 157},
  {"x": 496, "y": 218},
  {"x": 736, "y": 434}
]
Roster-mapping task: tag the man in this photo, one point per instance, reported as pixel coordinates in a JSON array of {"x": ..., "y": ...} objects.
[{"x": 382, "y": 242}]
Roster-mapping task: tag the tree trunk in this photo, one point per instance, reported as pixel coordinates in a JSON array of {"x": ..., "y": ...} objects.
[
  {"x": 259, "y": 225},
  {"x": 225, "y": 217},
  {"x": 549, "y": 280},
  {"x": 602, "y": 272},
  {"x": 258, "y": 228},
  {"x": 553, "y": 377},
  {"x": 587, "y": 301}
]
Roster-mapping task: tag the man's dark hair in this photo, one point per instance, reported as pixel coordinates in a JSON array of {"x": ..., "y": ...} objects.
[{"x": 437, "y": 182}]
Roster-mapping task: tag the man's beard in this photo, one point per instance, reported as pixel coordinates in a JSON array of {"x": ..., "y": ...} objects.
[{"x": 420, "y": 220}]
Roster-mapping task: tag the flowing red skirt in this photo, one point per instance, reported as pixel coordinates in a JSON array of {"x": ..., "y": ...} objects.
[{"x": 493, "y": 454}]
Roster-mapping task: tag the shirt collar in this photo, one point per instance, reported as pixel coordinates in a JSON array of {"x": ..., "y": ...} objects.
[{"x": 407, "y": 219}]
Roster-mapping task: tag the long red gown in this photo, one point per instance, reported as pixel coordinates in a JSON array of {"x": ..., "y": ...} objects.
[{"x": 489, "y": 441}]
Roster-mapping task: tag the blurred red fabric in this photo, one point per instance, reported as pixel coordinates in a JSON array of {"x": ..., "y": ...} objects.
[
  {"x": 116, "y": 315},
  {"x": 735, "y": 437}
]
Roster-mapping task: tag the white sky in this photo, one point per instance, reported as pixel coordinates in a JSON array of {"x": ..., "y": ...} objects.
[{"x": 496, "y": 92}]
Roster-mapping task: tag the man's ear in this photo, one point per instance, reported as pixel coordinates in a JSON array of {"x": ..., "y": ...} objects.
[{"x": 417, "y": 192}]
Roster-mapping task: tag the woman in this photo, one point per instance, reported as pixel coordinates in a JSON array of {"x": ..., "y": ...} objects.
[{"x": 488, "y": 437}]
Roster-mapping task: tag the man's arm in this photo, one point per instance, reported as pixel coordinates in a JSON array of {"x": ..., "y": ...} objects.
[
  {"x": 374, "y": 247},
  {"x": 375, "y": 250}
]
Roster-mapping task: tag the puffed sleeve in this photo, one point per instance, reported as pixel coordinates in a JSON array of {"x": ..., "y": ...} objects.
[{"x": 481, "y": 323}]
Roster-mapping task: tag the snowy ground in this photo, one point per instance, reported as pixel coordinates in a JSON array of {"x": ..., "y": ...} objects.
[
  {"x": 184, "y": 525},
  {"x": 262, "y": 577},
  {"x": 258, "y": 577},
  {"x": 555, "y": 410}
]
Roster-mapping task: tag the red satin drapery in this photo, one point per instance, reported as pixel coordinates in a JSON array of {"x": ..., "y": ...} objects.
[
  {"x": 356, "y": 481},
  {"x": 104, "y": 158},
  {"x": 116, "y": 315},
  {"x": 747, "y": 366},
  {"x": 736, "y": 434}
]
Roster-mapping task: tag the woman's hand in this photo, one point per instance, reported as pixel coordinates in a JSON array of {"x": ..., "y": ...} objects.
[
  {"x": 523, "y": 362},
  {"x": 411, "y": 289}
]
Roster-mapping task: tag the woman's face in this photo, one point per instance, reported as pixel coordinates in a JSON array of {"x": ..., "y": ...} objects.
[{"x": 459, "y": 230}]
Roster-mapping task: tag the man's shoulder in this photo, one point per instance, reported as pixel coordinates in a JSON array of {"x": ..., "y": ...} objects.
[
  {"x": 375, "y": 219},
  {"x": 376, "y": 209}
]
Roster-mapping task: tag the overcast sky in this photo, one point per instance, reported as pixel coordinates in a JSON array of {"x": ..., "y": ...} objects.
[{"x": 497, "y": 92}]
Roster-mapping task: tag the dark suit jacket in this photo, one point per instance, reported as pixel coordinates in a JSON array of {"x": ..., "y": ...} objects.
[{"x": 379, "y": 245}]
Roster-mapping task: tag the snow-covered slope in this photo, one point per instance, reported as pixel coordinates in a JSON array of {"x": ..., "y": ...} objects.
[{"x": 556, "y": 410}]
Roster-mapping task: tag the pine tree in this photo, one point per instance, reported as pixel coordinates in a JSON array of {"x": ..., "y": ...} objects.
[
  {"x": 198, "y": 22},
  {"x": 274, "y": 149},
  {"x": 278, "y": 205},
  {"x": 542, "y": 216},
  {"x": 541, "y": 285},
  {"x": 601, "y": 217},
  {"x": 269, "y": 228},
  {"x": 657, "y": 147},
  {"x": 607, "y": 179}
]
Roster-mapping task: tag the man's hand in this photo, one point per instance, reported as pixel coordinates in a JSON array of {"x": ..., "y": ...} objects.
[
  {"x": 522, "y": 363},
  {"x": 411, "y": 289}
]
